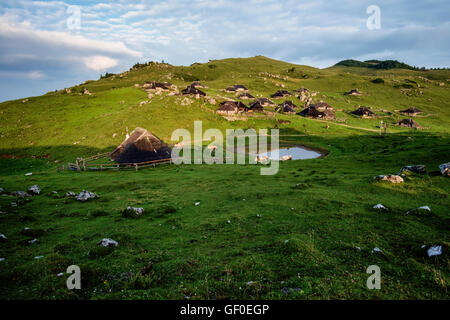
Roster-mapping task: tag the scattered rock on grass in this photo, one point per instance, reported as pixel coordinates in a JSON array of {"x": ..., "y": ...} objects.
[
  {"x": 85, "y": 196},
  {"x": 380, "y": 207},
  {"x": 21, "y": 194},
  {"x": 34, "y": 190},
  {"x": 38, "y": 257},
  {"x": 70, "y": 194},
  {"x": 1, "y": 190},
  {"x": 390, "y": 178},
  {"x": 2, "y": 259},
  {"x": 3, "y": 238},
  {"x": 376, "y": 249},
  {"x": 434, "y": 251},
  {"x": 416, "y": 169},
  {"x": 419, "y": 210},
  {"x": 285, "y": 158},
  {"x": 445, "y": 169},
  {"x": 132, "y": 212},
  {"x": 28, "y": 174},
  {"x": 107, "y": 242}
]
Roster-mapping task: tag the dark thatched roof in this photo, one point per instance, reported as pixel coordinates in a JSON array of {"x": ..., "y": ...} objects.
[
  {"x": 353, "y": 92},
  {"x": 313, "y": 112},
  {"x": 156, "y": 85},
  {"x": 411, "y": 111},
  {"x": 281, "y": 94},
  {"x": 192, "y": 90},
  {"x": 246, "y": 96},
  {"x": 363, "y": 112},
  {"x": 286, "y": 107},
  {"x": 228, "y": 107},
  {"x": 198, "y": 84},
  {"x": 256, "y": 107},
  {"x": 265, "y": 102},
  {"x": 140, "y": 146},
  {"x": 410, "y": 123},
  {"x": 240, "y": 87}
]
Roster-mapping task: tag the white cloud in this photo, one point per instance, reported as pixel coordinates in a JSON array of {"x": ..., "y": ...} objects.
[{"x": 100, "y": 63}]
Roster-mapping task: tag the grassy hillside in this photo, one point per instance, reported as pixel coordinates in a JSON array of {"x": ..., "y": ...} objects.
[{"x": 251, "y": 236}]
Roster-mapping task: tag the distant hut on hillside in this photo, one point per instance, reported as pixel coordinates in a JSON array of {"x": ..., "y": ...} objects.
[
  {"x": 227, "y": 108},
  {"x": 320, "y": 110},
  {"x": 256, "y": 107},
  {"x": 236, "y": 87},
  {"x": 197, "y": 84},
  {"x": 265, "y": 102},
  {"x": 410, "y": 123},
  {"x": 363, "y": 112},
  {"x": 152, "y": 85},
  {"x": 290, "y": 104},
  {"x": 240, "y": 87},
  {"x": 246, "y": 96},
  {"x": 286, "y": 107},
  {"x": 302, "y": 90},
  {"x": 242, "y": 107},
  {"x": 353, "y": 92},
  {"x": 193, "y": 90},
  {"x": 140, "y": 146},
  {"x": 411, "y": 111},
  {"x": 281, "y": 94}
]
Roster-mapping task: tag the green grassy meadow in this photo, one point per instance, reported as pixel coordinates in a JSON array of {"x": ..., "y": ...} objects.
[{"x": 310, "y": 228}]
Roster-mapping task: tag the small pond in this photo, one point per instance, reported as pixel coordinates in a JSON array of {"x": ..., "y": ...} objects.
[{"x": 297, "y": 153}]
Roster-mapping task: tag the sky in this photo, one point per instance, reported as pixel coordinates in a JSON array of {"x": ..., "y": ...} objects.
[{"x": 50, "y": 45}]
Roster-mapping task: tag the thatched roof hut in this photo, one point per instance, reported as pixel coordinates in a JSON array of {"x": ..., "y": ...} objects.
[
  {"x": 411, "y": 111},
  {"x": 410, "y": 123},
  {"x": 140, "y": 146},
  {"x": 236, "y": 87},
  {"x": 287, "y": 107},
  {"x": 283, "y": 108},
  {"x": 265, "y": 102},
  {"x": 227, "y": 108},
  {"x": 281, "y": 94},
  {"x": 152, "y": 85},
  {"x": 246, "y": 96},
  {"x": 240, "y": 87},
  {"x": 192, "y": 90},
  {"x": 353, "y": 92},
  {"x": 363, "y": 112},
  {"x": 241, "y": 106},
  {"x": 198, "y": 84},
  {"x": 317, "y": 111},
  {"x": 302, "y": 90},
  {"x": 256, "y": 107}
]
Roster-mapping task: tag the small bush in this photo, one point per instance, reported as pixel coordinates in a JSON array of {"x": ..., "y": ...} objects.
[{"x": 378, "y": 80}]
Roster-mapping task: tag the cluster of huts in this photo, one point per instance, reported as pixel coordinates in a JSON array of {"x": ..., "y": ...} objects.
[{"x": 320, "y": 110}]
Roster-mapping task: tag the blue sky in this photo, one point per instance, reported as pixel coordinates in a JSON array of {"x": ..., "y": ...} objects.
[{"x": 43, "y": 48}]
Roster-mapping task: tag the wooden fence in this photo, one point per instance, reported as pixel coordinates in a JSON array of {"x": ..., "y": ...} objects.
[{"x": 83, "y": 164}]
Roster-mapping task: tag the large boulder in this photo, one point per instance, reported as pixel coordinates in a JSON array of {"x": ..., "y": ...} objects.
[
  {"x": 34, "y": 190},
  {"x": 85, "y": 196},
  {"x": 445, "y": 169},
  {"x": 392, "y": 178},
  {"x": 107, "y": 242},
  {"x": 20, "y": 194}
]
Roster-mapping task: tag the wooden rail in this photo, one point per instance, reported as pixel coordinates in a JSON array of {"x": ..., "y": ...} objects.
[{"x": 82, "y": 165}]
